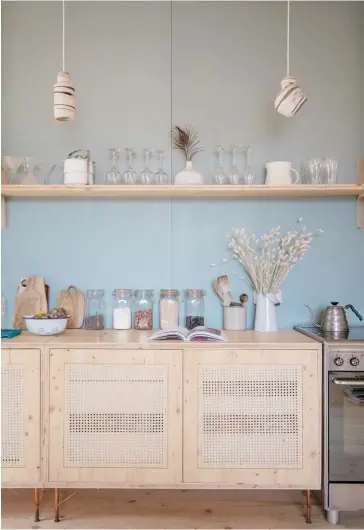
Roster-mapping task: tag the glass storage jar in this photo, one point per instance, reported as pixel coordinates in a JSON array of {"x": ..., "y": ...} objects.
[
  {"x": 94, "y": 309},
  {"x": 194, "y": 308},
  {"x": 143, "y": 313},
  {"x": 122, "y": 306},
  {"x": 168, "y": 308}
]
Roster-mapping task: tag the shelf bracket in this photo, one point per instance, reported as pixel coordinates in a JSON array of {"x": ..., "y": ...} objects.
[
  {"x": 3, "y": 212},
  {"x": 359, "y": 206}
]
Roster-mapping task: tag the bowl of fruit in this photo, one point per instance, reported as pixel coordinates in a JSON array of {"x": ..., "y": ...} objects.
[{"x": 51, "y": 323}]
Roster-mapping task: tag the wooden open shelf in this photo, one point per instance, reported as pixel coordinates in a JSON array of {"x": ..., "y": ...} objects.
[
  {"x": 176, "y": 192},
  {"x": 208, "y": 191}
]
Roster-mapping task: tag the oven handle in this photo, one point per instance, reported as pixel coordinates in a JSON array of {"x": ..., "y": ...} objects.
[{"x": 351, "y": 382}]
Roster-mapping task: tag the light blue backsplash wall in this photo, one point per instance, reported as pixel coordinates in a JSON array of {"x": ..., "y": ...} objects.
[{"x": 139, "y": 67}]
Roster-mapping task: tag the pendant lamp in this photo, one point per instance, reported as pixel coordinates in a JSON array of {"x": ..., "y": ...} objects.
[
  {"x": 291, "y": 97},
  {"x": 64, "y": 92}
]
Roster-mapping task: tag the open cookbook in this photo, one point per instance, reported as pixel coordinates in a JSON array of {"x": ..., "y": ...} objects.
[{"x": 199, "y": 333}]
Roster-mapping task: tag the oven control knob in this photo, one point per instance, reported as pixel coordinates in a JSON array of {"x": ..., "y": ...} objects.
[
  {"x": 339, "y": 361},
  {"x": 354, "y": 361}
]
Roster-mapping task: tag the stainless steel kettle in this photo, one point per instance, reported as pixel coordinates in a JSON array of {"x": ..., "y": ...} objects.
[{"x": 334, "y": 318}]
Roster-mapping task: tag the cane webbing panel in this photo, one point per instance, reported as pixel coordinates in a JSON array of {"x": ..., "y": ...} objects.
[
  {"x": 12, "y": 416},
  {"x": 250, "y": 416},
  {"x": 115, "y": 415}
]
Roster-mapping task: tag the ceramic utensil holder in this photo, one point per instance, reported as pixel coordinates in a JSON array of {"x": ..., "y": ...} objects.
[
  {"x": 265, "y": 312},
  {"x": 235, "y": 318},
  {"x": 64, "y": 98}
]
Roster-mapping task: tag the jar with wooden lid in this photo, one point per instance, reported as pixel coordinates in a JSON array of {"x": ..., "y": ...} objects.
[
  {"x": 194, "y": 308},
  {"x": 95, "y": 299},
  {"x": 143, "y": 309},
  {"x": 168, "y": 308},
  {"x": 122, "y": 308}
]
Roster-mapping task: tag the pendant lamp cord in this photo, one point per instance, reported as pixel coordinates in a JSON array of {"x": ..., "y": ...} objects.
[
  {"x": 288, "y": 34},
  {"x": 63, "y": 35}
]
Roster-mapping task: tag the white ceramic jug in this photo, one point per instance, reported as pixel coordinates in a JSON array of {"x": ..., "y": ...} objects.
[{"x": 279, "y": 174}]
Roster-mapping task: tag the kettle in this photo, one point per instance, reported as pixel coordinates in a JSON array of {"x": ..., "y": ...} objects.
[{"x": 334, "y": 318}]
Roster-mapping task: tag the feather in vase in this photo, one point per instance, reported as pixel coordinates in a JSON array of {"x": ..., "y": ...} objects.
[{"x": 186, "y": 140}]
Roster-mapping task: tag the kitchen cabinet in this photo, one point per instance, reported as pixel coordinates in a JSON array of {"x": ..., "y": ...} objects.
[
  {"x": 115, "y": 416},
  {"x": 252, "y": 418},
  {"x": 20, "y": 417},
  {"x": 114, "y": 410}
]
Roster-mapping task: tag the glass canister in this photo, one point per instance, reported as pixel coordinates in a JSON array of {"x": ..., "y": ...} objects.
[
  {"x": 168, "y": 308},
  {"x": 122, "y": 308},
  {"x": 95, "y": 299},
  {"x": 194, "y": 308},
  {"x": 143, "y": 314}
]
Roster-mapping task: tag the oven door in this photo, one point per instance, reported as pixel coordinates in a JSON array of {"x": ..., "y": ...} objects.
[{"x": 346, "y": 427}]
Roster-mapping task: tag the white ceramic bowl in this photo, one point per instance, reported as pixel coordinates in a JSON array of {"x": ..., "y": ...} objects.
[{"x": 46, "y": 326}]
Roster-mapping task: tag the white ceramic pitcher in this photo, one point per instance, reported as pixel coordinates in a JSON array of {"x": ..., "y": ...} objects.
[{"x": 279, "y": 174}]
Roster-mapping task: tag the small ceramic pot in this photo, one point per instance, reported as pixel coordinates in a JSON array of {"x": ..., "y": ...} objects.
[{"x": 188, "y": 176}]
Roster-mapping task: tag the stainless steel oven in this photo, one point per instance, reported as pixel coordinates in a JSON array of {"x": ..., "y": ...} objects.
[{"x": 343, "y": 421}]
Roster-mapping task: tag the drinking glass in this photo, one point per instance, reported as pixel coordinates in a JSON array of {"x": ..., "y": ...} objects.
[
  {"x": 130, "y": 175},
  {"x": 220, "y": 175},
  {"x": 160, "y": 177},
  {"x": 330, "y": 170},
  {"x": 312, "y": 171},
  {"x": 248, "y": 174},
  {"x": 43, "y": 171},
  {"x": 146, "y": 176},
  {"x": 234, "y": 174},
  {"x": 113, "y": 176}
]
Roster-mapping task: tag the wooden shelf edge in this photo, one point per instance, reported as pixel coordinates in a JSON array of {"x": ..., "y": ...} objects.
[{"x": 206, "y": 191}]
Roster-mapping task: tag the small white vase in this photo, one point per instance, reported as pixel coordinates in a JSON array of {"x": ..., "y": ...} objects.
[
  {"x": 265, "y": 312},
  {"x": 188, "y": 176}
]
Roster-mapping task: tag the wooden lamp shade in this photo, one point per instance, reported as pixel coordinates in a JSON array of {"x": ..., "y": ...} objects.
[{"x": 64, "y": 98}]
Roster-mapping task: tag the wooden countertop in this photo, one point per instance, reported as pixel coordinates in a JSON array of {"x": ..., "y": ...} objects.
[{"x": 133, "y": 339}]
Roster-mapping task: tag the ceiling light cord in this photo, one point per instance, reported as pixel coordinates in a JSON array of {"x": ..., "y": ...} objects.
[
  {"x": 63, "y": 38},
  {"x": 288, "y": 35}
]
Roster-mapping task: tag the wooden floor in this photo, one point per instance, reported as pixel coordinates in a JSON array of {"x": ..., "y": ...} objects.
[{"x": 155, "y": 509}]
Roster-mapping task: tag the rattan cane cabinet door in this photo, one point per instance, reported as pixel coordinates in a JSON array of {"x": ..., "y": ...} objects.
[
  {"x": 252, "y": 418},
  {"x": 20, "y": 417},
  {"x": 115, "y": 416}
]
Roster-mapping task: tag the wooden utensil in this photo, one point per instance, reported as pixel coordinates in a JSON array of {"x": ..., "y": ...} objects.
[
  {"x": 225, "y": 288},
  {"x": 217, "y": 289},
  {"x": 73, "y": 302},
  {"x": 28, "y": 301}
]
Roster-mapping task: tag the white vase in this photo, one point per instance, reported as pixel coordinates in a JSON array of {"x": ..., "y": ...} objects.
[
  {"x": 265, "y": 312},
  {"x": 188, "y": 176}
]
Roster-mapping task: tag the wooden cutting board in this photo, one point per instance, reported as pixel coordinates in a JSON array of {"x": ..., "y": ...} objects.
[
  {"x": 73, "y": 301},
  {"x": 29, "y": 300}
]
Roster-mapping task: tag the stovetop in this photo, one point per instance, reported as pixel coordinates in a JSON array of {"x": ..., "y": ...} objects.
[{"x": 355, "y": 334}]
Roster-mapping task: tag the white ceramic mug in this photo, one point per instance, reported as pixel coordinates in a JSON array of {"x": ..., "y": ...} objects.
[{"x": 279, "y": 174}]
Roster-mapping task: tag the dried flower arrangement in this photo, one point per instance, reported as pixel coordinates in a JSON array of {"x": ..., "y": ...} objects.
[
  {"x": 186, "y": 140},
  {"x": 267, "y": 260}
]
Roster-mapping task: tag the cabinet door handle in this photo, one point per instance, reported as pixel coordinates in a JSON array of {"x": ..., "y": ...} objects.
[{"x": 351, "y": 382}]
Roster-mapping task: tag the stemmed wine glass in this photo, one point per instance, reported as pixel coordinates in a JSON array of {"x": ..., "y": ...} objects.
[
  {"x": 234, "y": 174},
  {"x": 113, "y": 176},
  {"x": 12, "y": 164},
  {"x": 146, "y": 176},
  {"x": 130, "y": 175},
  {"x": 27, "y": 171},
  {"x": 160, "y": 177},
  {"x": 248, "y": 174},
  {"x": 220, "y": 175}
]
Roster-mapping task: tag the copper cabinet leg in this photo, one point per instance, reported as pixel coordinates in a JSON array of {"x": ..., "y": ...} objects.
[
  {"x": 308, "y": 506},
  {"x": 37, "y": 505},
  {"x": 56, "y": 505}
]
